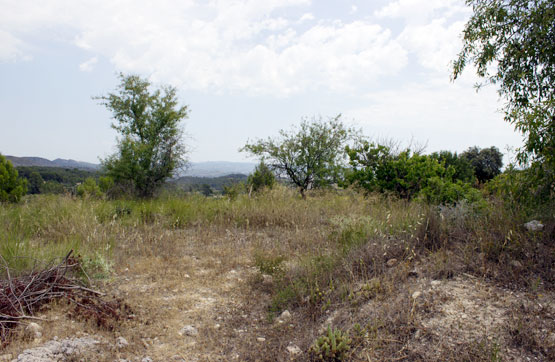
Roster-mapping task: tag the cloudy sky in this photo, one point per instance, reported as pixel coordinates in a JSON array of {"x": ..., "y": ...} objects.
[{"x": 246, "y": 68}]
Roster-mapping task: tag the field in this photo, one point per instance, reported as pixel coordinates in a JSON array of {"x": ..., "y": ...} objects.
[{"x": 209, "y": 279}]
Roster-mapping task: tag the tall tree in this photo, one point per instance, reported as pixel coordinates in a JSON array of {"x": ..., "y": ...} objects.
[
  {"x": 311, "y": 156},
  {"x": 512, "y": 44},
  {"x": 151, "y": 146},
  {"x": 12, "y": 188},
  {"x": 486, "y": 162}
]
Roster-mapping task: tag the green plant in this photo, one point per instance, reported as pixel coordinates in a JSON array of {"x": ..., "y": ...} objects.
[
  {"x": 261, "y": 178},
  {"x": 269, "y": 265},
  {"x": 310, "y": 157},
  {"x": 151, "y": 148},
  {"x": 332, "y": 346},
  {"x": 89, "y": 188},
  {"x": 12, "y": 188}
]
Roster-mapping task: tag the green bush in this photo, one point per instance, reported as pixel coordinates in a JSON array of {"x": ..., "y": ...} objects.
[
  {"x": 12, "y": 188},
  {"x": 332, "y": 346},
  {"x": 261, "y": 178},
  {"x": 89, "y": 188}
]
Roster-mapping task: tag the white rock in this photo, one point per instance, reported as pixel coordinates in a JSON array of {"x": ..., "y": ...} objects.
[
  {"x": 121, "y": 342},
  {"x": 285, "y": 315},
  {"x": 533, "y": 225},
  {"x": 516, "y": 264},
  {"x": 293, "y": 350},
  {"x": 261, "y": 339},
  {"x": 33, "y": 330},
  {"x": 391, "y": 262},
  {"x": 188, "y": 330},
  {"x": 147, "y": 359},
  {"x": 435, "y": 283},
  {"x": 416, "y": 294}
]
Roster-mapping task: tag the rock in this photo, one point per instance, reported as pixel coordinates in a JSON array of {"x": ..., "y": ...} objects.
[
  {"x": 416, "y": 294},
  {"x": 188, "y": 330},
  {"x": 435, "y": 283},
  {"x": 33, "y": 331},
  {"x": 121, "y": 342},
  {"x": 293, "y": 350},
  {"x": 285, "y": 315},
  {"x": 418, "y": 334},
  {"x": 267, "y": 280},
  {"x": 6, "y": 357},
  {"x": 147, "y": 359},
  {"x": 217, "y": 326},
  {"x": 261, "y": 339},
  {"x": 534, "y": 225},
  {"x": 57, "y": 350},
  {"x": 391, "y": 262},
  {"x": 515, "y": 264}
]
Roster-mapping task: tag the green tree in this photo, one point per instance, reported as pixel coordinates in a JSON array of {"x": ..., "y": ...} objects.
[
  {"x": 35, "y": 182},
  {"x": 151, "y": 146},
  {"x": 89, "y": 188},
  {"x": 512, "y": 44},
  {"x": 311, "y": 156},
  {"x": 261, "y": 178},
  {"x": 463, "y": 169},
  {"x": 486, "y": 162},
  {"x": 12, "y": 188}
]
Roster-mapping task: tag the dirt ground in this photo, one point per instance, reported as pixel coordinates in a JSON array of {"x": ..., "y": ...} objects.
[{"x": 192, "y": 298}]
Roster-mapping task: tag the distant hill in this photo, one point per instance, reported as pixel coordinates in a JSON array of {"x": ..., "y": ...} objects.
[
  {"x": 59, "y": 162},
  {"x": 218, "y": 168},
  {"x": 196, "y": 169}
]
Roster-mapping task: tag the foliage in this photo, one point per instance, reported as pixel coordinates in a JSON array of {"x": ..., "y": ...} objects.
[
  {"x": 55, "y": 180},
  {"x": 89, "y": 188},
  {"x": 261, "y": 178},
  {"x": 233, "y": 190},
  {"x": 463, "y": 169},
  {"x": 310, "y": 156},
  {"x": 194, "y": 184},
  {"x": 512, "y": 44},
  {"x": 35, "y": 181},
  {"x": 151, "y": 148},
  {"x": 332, "y": 346},
  {"x": 443, "y": 191},
  {"x": 12, "y": 188},
  {"x": 486, "y": 162}
]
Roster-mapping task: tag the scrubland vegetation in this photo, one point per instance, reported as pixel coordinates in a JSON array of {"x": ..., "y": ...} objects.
[{"x": 354, "y": 256}]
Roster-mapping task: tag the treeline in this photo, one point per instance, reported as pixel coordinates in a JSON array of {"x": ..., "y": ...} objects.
[{"x": 54, "y": 180}]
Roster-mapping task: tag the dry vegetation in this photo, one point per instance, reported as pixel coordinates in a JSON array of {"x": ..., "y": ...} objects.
[{"x": 394, "y": 280}]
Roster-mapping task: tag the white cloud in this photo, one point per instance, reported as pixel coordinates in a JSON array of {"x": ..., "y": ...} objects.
[
  {"x": 220, "y": 45},
  {"x": 423, "y": 111},
  {"x": 88, "y": 66},
  {"x": 421, "y": 10},
  {"x": 306, "y": 17},
  {"x": 10, "y": 47}
]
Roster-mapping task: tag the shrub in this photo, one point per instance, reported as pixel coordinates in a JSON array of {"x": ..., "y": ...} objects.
[
  {"x": 89, "y": 188},
  {"x": 261, "y": 178},
  {"x": 332, "y": 346},
  {"x": 12, "y": 188}
]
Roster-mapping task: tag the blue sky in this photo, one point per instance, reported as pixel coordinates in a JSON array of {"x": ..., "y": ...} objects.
[{"x": 246, "y": 68}]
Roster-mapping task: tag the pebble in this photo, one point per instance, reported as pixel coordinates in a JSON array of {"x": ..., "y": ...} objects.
[
  {"x": 33, "y": 330},
  {"x": 391, "y": 262},
  {"x": 188, "y": 330},
  {"x": 435, "y": 283},
  {"x": 121, "y": 342},
  {"x": 293, "y": 350},
  {"x": 261, "y": 339},
  {"x": 416, "y": 294},
  {"x": 285, "y": 315}
]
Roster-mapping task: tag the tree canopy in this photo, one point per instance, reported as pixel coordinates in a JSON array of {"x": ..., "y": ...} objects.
[
  {"x": 512, "y": 44},
  {"x": 151, "y": 146},
  {"x": 311, "y": 156},
  {"x": 12, "y": 188}
]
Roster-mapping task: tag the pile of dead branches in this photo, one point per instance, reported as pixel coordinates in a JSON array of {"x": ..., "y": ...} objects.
[{"x": 23, "y": 296}]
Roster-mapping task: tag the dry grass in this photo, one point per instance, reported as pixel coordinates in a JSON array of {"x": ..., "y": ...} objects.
[{"x": 229, "y": 268}]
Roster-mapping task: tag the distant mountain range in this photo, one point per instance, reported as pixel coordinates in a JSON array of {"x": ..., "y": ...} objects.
[
  {"x": 38, "y": 161},
  {"x": 196, "y": 169}
]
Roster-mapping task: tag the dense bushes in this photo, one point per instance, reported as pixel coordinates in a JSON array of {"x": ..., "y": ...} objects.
[
  {"x": 12, "y": 188},
  {"x": 441, "y": 178}
]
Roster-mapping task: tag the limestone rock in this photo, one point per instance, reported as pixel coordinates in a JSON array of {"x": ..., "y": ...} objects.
[
  {"x": 33, "y": 331},
  {"x": 534, "y": 225},
  {"x": 416, "y": 294},
  {"x": 285, "y": 315},
  {"x": 188, "y": 330},
  {"x": 121, "y": 342},
  {"x": 293, "y": 350}
]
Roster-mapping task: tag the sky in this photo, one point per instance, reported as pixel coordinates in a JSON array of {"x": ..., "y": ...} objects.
[{"x": 245, "y": 69}]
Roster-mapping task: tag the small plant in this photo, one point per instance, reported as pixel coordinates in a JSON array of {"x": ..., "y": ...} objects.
[
  {"x": 333, "y": 346},
  {"x": 269, "y": 265}
]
